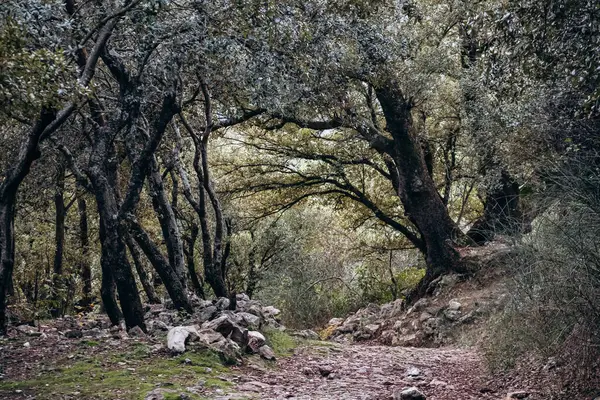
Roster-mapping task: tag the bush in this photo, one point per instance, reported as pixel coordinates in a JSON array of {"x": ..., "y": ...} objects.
[{"x": 555, "y": 304}]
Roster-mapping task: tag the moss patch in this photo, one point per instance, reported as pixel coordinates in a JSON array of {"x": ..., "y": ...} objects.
[
  {"x": 128, "y": 375},
  {"x": 282, "y": 344}
]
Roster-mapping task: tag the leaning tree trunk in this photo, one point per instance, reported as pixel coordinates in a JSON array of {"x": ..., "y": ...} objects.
[
  {"x": 190, "y": 243},
  {"x": 416, "y": 189},
  {"x": 136, "y": 256},
  {"x": 167, "y": 220}
]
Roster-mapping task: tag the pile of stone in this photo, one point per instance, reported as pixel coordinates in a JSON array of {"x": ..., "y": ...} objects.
[
  {"x": 230, "y": 331},
  {"x": 430, "y": 321},
  {"x": 216, "y": 326}
]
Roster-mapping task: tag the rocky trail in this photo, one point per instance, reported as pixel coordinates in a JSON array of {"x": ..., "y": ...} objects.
[{"x": 369, "y": 372}]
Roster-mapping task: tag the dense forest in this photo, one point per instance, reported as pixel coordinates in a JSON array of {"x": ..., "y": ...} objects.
[{"x": 316, "y": 155}]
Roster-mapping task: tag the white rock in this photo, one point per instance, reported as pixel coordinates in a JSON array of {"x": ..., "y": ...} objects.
[
  {"x": 454, "y": 305},
  {"x": 256, "y": 340},
  {"x": 179, "y": 336}
]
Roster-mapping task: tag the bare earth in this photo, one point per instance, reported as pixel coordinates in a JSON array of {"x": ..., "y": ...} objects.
[{"x": 368, "y": 372}]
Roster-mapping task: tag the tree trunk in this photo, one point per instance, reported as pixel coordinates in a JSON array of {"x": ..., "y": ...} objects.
[
  {"x": 167, "y": 220},
  {"x": 85, "y": 269},
  {"x": 59, "y": 240},
  {"x": 501, "y": 214},
  {"x": 189, "y": 250},
  {"x": 161, "y": 265},
  {"x": 103, "y": 176},
  {"x": 7, "y": 251},
  {"x": 416, "y": 189},
  {"x": 108, "y": 293},
  {"x": 9, "y": 186},
  {"x": 141, "y": 271}
]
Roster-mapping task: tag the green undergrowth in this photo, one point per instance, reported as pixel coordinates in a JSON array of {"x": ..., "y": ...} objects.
[
  {"x": 282, "y": 344},
  {"x": 127, "y": 375}
]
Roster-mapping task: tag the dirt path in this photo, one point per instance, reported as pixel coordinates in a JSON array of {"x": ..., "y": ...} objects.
[{"x": 367, "y": 372}]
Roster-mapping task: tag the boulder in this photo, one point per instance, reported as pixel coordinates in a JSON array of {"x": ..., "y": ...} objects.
[
  {"x": 271, "y": 312},
  {"x": 205, "y": 314},
  {"x": 255, "y": 341},
  {"x": 249, "y": 320},
  {"x": 222, "y": 303},
  {"x": 179, "y": 336},
  {"x": 267, "y": 353},
  {"x": 411, "y": 393},
  {"x": 228, "y": 328}
]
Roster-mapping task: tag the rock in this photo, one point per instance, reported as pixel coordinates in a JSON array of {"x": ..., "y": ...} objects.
[
  {"x": 335, "y": 322},
  {"x": 249, "y": 320},
  {"x": 222, "y": 303},
  {"x": 26, "y": 344},
  {"x": 413, "y": 372},
  {"x": 519, "y": 394},
  {"x": 267, "y": 353},
  {"x": 325, "y": 370},
  {"x": 452, "y": 315},
  {"x": 406, "y": 340},
  {"x": 206, "y": 314},
  {"x": 228, "y": 328},
  {"x": 242, "y": 297},
  {"x": 411, "y": 393},
  {"x": 420, "y": 305},
  {"x": 208, "y": 336},
  {"x": 392, "y": 310},
  {"x": 159, "y": 326},
  {"x": 179, "y": 336},
  {"x": 306, "y": 334},
  {"x": 437, "y": 382},
  {"x": 454, "y": 305},
  {"x": 136, "y": 331},
  {"x": 271, "y": 312},
  {"x": 160, "y": 394},
  {"x": 255, "y": 341},
  {"x": 74, "y": 334}
]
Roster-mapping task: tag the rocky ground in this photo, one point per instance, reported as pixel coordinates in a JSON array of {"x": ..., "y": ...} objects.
[{"x": 374, "y": 372}]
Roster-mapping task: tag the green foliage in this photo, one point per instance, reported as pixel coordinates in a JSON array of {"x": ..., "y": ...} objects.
[
  {"x": 282, "y": 344},
  {"x": 29, "y": 78}
]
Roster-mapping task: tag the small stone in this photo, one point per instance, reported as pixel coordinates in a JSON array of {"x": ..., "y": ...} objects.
[
  {"x": 519, "y": 394},
  {"x": 26, "y": 344},
  {"x": 74, "y": 334},
  {"x": 187, "y": 361},
  {"x": 325, "y": 370},
  {"x": 437, "y": 382},
  {"x": 411, "y": 393},
  {"x": 136, "y": 331},
  {"x": 413, "y": 372},
  {"x": 454, "y": 305}
]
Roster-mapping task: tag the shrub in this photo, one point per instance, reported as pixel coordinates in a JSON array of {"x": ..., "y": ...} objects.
[{"x": 555, "y": 303}]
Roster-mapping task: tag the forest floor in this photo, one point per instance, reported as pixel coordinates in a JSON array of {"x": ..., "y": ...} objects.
[{"x": 131, "y": 368}]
